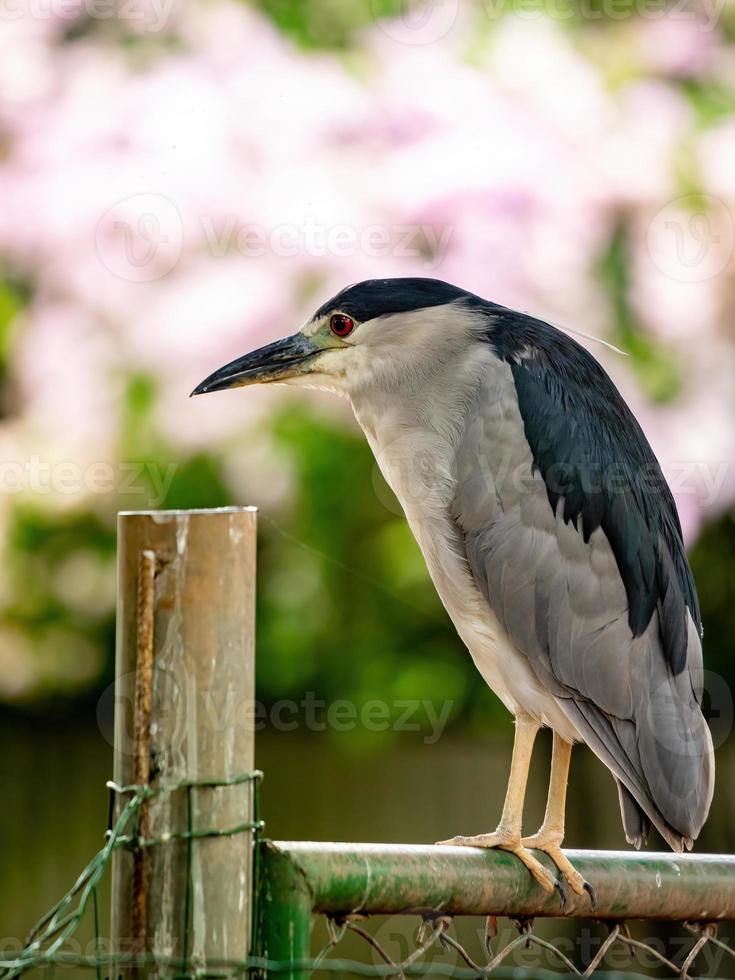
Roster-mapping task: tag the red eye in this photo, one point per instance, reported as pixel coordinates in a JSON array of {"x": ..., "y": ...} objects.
[{"x": 341, "y": 324}]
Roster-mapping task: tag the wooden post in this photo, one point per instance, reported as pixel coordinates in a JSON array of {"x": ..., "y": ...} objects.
[{"x": 183, "y": 714}]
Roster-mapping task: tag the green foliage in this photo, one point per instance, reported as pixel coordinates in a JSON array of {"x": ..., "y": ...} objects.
[
  {"x": 714, "y": 572},
  {"x": 13, "y": 298},
  {"x": 196, "y": 479},
  {"x": 711, "y": 101},
  {"x": 59, "y": 577},
  {"x": 346, "y": 608},
  {"x": 39, "y": 544},
  {"x": 11, "y": 303},
  {"x": 326, "y": 23},
  {"x": 655, "y": 365},
  {"x": 138, "y": 435},
  {"x": 35, "y": 531}
]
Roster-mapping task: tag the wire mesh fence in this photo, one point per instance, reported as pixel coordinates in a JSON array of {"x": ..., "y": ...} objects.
[
  {"x": 438, "y": 952},
  {"x": 410, "y": 940},
  {"x": 49, "y": 941}
]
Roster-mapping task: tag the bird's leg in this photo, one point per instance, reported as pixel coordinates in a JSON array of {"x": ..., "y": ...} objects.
[
  {"x": 551, "y": 833},
  {"x": 507, "y": 836}
]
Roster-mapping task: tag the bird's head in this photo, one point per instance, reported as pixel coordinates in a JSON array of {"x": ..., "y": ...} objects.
[{"x": 377, "y": 331}]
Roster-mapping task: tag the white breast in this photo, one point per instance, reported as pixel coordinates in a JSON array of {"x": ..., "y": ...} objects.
[{"x": 412, "y": 453}]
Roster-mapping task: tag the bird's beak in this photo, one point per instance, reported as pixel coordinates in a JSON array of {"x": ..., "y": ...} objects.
[{"x": 275, "y": 362}]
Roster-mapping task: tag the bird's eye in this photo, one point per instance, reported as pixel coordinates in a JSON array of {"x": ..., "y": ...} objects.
[{"x": 341, "y": 324}]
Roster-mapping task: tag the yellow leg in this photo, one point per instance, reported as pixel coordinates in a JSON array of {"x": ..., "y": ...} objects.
[
  {"x": 508, "y": 833},
  {"x": 551, "y": 833}
]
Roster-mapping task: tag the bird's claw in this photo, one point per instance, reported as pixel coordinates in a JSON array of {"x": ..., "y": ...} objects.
[
  {"x": 561, "y": 888},
  {"x": 568, "y": 873},
  {"x": 504, "y": 841},
  {"x": 592, "y": 894}
]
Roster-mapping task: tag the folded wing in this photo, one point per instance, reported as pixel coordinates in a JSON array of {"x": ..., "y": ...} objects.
[{"x": 571, "y": 532}]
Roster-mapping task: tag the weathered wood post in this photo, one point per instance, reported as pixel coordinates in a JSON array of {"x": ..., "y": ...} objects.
[{"x": 184, "y": 691}]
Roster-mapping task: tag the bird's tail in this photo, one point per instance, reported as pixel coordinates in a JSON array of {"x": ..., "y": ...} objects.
[
  {"x": 662, "y": 759},
  {"x": 636, "y": 824},
  {"x": 677, "y": 769}
]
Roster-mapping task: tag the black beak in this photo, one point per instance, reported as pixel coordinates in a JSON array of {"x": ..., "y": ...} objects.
[{"x": 275, "y": 362}]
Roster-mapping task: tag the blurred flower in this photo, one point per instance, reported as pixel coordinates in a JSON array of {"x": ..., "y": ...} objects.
[
  {"x": 176, "y": 193},
  {"x": 682, "y": 45}
]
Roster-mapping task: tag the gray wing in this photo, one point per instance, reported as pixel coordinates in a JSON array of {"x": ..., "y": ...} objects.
[{"x": 631, "y": 686}]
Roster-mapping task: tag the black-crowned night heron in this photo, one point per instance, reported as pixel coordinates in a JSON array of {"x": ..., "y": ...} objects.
[{"x": 549, "y": 532}]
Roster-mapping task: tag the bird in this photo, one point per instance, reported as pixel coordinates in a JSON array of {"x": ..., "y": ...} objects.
[{"x": 548, "y": 530}]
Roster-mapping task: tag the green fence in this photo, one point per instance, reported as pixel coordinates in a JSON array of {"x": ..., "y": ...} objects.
[
  {"x": 350, "y": 883},
  {"x": 197, "y": 891},
  {"x": 325, "y": 908}
]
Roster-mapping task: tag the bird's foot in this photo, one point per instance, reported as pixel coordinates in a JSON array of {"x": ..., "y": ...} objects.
[
  {"x": 551, "y": 844},
  {"x": 507, "y": 842}
]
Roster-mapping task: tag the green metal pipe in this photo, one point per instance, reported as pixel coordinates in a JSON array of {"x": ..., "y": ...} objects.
[
  {"x": 284, "y": 905},
  {"x": 393, "y": 878}
]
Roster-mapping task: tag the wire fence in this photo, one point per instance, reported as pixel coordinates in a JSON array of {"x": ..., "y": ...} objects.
[
  {"x": 436, "y": 949},
  {"x": 47, "y": 941},
  {"x": 434, "y": 935}
]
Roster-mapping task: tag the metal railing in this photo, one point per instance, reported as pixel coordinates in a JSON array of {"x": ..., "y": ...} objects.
[{"x": 350, "y": 883}]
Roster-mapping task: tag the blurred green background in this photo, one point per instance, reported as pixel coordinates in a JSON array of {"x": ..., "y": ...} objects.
[{"x": 582, "y": 166}]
